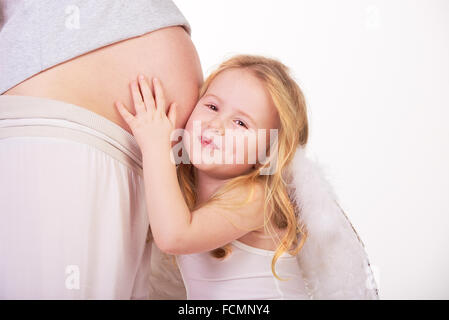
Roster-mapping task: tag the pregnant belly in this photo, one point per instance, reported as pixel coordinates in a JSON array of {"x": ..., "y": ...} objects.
[{"x": 98, "y": 78}]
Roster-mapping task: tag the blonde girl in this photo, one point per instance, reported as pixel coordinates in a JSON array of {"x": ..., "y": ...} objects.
[{"x": 231, "y": 224}]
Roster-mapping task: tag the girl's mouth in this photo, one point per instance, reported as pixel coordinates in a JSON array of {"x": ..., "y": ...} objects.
[{"x": 205, "y": 142}]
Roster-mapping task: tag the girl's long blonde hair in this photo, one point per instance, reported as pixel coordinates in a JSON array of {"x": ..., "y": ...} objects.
[{"x": 290, "y": 103}]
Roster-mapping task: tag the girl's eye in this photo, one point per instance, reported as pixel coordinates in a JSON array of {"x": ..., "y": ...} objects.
[
  {"x": 211, "y": 105},
  {"x": 242, "y": 124}
]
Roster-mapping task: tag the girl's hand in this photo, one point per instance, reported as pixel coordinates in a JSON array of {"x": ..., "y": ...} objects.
[{"x": 150, "y": 126}]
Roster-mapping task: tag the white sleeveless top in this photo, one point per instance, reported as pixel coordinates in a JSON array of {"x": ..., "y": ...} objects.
[{"x": 244, "y": 274}]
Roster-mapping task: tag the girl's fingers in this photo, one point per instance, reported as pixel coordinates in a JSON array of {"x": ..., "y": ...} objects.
[
  {"x": 147, "y": 94},
  {"x": 172, "y": 114},
  {"x": 137, "y": 98},
  {"x": 160, "y": 98},
  {"x": 126, "y": 115}
]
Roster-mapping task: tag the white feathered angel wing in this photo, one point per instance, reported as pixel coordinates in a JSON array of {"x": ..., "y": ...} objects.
[{"x": 333, "y": 258}]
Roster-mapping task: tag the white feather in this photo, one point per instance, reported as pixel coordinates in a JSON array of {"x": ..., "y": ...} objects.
[{"x": 333, "y": 258}]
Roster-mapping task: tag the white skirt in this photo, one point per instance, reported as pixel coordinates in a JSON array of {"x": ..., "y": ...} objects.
[{"x": 73, "y": 221}]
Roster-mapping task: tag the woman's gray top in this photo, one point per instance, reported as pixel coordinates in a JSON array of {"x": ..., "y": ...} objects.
[{"x": 37, "y": 35}]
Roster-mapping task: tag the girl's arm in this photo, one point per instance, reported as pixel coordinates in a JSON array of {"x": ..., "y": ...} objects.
[{"x": 175, "y": 229}]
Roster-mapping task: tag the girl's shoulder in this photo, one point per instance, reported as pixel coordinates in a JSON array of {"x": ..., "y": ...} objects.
[
  {"x": 243, "y": 205},
  {"x": 253, "y": 193}
]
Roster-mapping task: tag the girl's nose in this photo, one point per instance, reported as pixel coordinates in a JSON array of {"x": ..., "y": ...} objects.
[{"x": 216, "y": 126}]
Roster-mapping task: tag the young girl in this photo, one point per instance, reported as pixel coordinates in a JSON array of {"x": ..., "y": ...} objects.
[{"x": 232, "y": 224}]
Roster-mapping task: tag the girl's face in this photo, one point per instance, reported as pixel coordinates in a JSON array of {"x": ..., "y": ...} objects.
[{"x": 235, "y": 106}]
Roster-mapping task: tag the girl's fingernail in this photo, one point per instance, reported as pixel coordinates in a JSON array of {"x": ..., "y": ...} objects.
[{"x": 141, "y": 77}]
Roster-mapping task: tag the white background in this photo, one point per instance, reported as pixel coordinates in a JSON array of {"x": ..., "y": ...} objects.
[{"x": 376, "y": 79}]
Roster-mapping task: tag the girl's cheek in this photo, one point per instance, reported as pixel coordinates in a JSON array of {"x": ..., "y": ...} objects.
[
  {"x": 238, "y": 150},
  {"x": 199, "y": 119}
]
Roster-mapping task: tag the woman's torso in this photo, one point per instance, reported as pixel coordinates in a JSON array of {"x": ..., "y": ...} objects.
[{"x": 98, "y": 78}]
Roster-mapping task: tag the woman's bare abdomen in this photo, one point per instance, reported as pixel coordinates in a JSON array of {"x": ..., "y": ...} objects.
[{"x": 98, "y": 78}]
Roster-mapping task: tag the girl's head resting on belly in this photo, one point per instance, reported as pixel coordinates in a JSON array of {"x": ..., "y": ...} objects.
[
  {"x": 245, "y": 128},
  {"x": 248, "y": 107}
]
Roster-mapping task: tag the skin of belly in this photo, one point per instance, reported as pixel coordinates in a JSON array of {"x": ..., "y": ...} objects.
[{"x": 98, "y": 78}]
